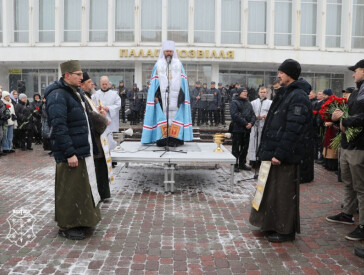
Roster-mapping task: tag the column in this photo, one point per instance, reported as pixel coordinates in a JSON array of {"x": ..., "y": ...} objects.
[
  {"x": 270, "y": 23},
  {"x": 218, "y": 23},
  {"x": 296, "y": 24},
  {"x": 244, "y": 27},
  {"x": 31, "y": 30},
  {"x": 85, "y": 22},
  {"x": 111, "y": 23},
  {"x": 58, "y": 22},
  {"x": 321, "y": 25},
  {"x": 347, "y": 24},
  {"x": 191, "y": 22},
  {"x": 139, "y": 73},
  {"x": 137, "y": 23},
  {"x": 164, "y": 20},
  {"x": 8, "y": 28}
]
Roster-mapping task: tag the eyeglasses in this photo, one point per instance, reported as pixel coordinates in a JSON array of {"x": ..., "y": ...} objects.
[{"x": 78, "y": 74}]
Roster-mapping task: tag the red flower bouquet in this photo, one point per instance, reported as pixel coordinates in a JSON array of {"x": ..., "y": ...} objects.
[{"x": 326, "y": 111}]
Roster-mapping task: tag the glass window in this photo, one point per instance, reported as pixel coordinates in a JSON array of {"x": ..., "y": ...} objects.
[
  {"x": 151, "y": 14},
  {"x": 201, "y": 72},
  {"x": 21, "y": 21},
  {"x": 46, "y": 20},
  {"x": 1, "y": 21},
  {"x": 124, "y": 20},
  {"x": 72, "y": 20},
  {"x": 257, "y": 22},
  {"x": 205, "y": 18},
  {"x": 308, "y": 22},
  {"x": 283, "y": 23},
  {"x": 358, "y": 23},
  {"x": 333, "y": 23},
  {"x": 178, "y": 20},
  {"x": 147, "y": 72},
  {"x": 98, "y": 20},
  {"x": 230, "y": 21}
]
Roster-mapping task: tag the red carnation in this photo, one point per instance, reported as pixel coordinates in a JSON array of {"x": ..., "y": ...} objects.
[
  {"x": 8, "y": 106},
  {"x": 314, "y": 112},
  {"x": 36, "y": 107}
]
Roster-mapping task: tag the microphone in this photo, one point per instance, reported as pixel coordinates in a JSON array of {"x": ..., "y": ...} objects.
[{"x": 168, "y": 59}]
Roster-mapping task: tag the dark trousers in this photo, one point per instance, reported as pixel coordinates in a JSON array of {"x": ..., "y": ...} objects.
[
  {"x": 16, "y": 138},
  {"x": 199, "y": 116},
  {"x": 213, "y": 116},
  {"x": 122, "y": 113},
  {"x": 25, "y": 138},
  {"x": 102, "y": 178},
  {"x": 134, "y": 117},
  {"x": 47, "y": 144},
  {"x": 204, "y": 119},
  {"x": 37, "y": 132},
  {"x": 193, "y": 115},
  {"x": 221, "y": 116},
  {"x": 240, "y": 147}
]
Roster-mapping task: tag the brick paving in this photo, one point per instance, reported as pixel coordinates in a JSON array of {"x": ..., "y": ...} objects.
[{"x": 200, "y": 229}]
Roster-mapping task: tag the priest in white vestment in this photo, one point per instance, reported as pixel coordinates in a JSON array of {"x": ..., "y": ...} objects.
[
  {"x": 261, "y": 107},
  {"x": 110, "y": 101}
]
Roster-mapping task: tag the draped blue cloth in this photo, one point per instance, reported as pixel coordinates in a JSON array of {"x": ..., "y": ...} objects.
[{"x": 155, "y": 120}]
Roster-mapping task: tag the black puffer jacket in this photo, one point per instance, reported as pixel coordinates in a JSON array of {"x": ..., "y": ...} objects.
[
  {"x": 356, "y": 118},
  {"x": 288, "y": 118},
  {"x": 67, "y": 119},
  {"x": 24, "y": 113},
  {"x": 242, "y": 113}
]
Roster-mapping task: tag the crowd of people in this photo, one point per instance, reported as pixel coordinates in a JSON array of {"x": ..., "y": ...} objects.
[
  {"x": 21, "y": 122},
  {"x": 281, "y": 129}
]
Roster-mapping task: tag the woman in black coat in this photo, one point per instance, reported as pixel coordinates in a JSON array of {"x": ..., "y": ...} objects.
[
  {"x": 37, "y": 105},
  {"x": 243, "y": 119},
  {"x": 24, "y": 112}
]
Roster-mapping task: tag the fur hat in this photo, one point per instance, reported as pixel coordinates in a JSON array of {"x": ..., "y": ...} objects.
[
  {"x": 21, "y": 96},
  {"x": 291, "y": 68},
  {"x": 85, "y": 77},
  {"x": 328, "y": 92},
  {"x": 70, "y": 66}
]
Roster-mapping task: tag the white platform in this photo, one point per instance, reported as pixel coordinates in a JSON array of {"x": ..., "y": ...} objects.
[{"x": 192, "y": 153}]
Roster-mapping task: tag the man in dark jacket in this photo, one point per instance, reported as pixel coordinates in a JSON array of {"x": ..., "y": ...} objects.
[
  {"x": 135, "y": 104},
  {"x": 76, "y": 194},
  {"x": 224, "y": 98},
  {"x": 282, "y": 146},
  {"x": 25, "y": 112},
  {"x": 123, "y": 95},
  {"x": 214, "y": 106},
  {"x": 243, "y": 119},
  {"x": 204, "y": 105},
  {"x": 37, "y": 104},
  {"x": 352, "y": 158},
  {"x": 195, "y": 103}
]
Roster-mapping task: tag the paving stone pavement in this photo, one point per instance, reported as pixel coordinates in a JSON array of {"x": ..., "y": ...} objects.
[{"x": 200, "y": 229}]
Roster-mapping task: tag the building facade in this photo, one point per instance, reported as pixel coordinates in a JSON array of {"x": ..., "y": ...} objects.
[{"x": 222, "y": 40}]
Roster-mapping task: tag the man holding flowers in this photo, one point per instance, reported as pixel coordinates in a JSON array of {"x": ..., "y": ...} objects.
[{"x": 352, "y": 156}]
